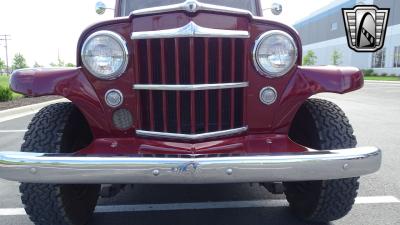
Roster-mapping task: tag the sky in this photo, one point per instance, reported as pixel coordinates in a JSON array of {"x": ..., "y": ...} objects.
[{"x": 43, "y": 30}]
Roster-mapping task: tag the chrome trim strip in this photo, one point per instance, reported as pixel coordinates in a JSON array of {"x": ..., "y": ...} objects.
[
  {"x": 191, "y": 6},
  {"x": 215, "y": 134},
  {"x": 190, "y": 30},
  {"x": 189, "y": 87},
  {"x": 300, "y": 166}
]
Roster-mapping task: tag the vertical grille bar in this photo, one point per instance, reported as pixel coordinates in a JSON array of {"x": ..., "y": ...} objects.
[
  {"x": 164, "y": 80},
  {"x": 244, "y": 77},
  {"x": 169, "y": 52},
  {"x": 150, "y": 76},
  {"x": 192, "y": 81},
  {"x": 142, "y": 67},
  {"x": 206, "y": 80},
  {"x": 213, "y": 78},
  {"x": 177, "y": 81},
  {"x": 137, "y": 79},
  {"x": 199, "y": 65},
  {"x": 233, "y": 63},
  {"x": 157, "y": 96},
  {"x": 219, "y": 75}
]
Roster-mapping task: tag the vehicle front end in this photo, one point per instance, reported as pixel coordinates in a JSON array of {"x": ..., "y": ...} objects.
[{"x": 191, "y": 93}]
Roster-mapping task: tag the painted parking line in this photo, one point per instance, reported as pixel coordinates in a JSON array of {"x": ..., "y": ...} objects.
[
  {"x": 381, "y": 82},
  {"x": 17, "y": 116},
  {"x": 12, "y": 212},
  {"x": 377, "y": 200},
  {"x": 13, "y": 131},
  {"x": 204, "y": 205}
]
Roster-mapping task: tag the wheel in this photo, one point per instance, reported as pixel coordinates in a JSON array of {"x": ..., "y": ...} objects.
[
  {"x": 58, "y": 128},
  {"x": 322, "y": 125}
]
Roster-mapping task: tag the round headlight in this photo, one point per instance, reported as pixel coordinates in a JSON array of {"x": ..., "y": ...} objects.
[
  {"x": 274, "y": 53},
  {"x": 105, "y": 55}
]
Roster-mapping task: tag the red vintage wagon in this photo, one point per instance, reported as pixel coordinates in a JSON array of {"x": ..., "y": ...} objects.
[{"x": 188, "y": 93}]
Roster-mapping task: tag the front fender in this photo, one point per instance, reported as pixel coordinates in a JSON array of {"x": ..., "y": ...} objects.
[
  {"x": 329, "y": 79},
  {"x": 308, "y": 81},
  {"x": 70, "y": 83}
]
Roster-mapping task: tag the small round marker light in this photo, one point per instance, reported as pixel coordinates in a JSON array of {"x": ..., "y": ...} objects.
[
  {"x": 114, "y": 98},
  {"x": 268, "y": 95}
]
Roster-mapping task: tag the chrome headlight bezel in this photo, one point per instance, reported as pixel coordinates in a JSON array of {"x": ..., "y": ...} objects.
[
  {"x": 122, "y": 44},
  {"x": 259, "y": 41}
]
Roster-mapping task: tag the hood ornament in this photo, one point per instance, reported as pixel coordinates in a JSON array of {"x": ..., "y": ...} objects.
[{"x": 191, "y": 6}]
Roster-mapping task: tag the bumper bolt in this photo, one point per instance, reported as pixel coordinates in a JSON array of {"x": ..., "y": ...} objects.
[
  {"x": 346, "y": 166},
  {"x": 229, "y": 171},
  {"x": 156, "y": 172}
]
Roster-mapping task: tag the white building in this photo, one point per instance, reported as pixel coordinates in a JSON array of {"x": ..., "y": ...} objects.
[{"x": 323, "y": 32}]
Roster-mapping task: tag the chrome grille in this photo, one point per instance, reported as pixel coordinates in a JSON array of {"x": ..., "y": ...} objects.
[{"x": 190, "y": 85}]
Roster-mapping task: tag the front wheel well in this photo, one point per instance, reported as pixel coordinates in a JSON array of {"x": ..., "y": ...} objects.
[
  {"x": 77, "y": 132},
  {"x": 319, "y": 119}
]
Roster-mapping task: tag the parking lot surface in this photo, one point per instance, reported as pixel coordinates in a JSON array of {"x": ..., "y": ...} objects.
[{"x": 374, "y": 113}]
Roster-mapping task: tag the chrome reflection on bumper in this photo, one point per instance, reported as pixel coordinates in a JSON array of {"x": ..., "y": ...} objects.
[{"x": 311, "y": 165}]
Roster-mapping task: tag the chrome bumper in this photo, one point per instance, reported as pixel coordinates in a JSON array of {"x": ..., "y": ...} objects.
[{"x": 311, "y": 165}]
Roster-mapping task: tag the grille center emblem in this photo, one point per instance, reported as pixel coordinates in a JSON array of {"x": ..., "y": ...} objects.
[
  {"x": 365, "y": 27},
  {"x": 191, "y": 6}
]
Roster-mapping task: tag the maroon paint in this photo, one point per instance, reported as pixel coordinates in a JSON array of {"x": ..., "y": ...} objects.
[
  {"x": 70, "y": 83},
  {"x": 250, "y": 144},
  {"x": 264, "y": 122},
  {"x": 117, "y": 9}
]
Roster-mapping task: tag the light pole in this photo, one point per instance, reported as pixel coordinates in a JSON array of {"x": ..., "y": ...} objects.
[{"x": 5, "y": 38}]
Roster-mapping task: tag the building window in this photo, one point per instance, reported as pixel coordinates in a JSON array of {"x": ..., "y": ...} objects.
[
  {"x": 334, "y": 26},
  {"x": 378, "y": 59},
  {"x": 396, "y": 58}
]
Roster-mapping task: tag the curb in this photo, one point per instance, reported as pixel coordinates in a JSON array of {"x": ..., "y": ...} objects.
[{"x": 14, "y": 113}]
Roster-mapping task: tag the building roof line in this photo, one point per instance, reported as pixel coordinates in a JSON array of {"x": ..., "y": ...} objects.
[{"x": 325, "y": 11}]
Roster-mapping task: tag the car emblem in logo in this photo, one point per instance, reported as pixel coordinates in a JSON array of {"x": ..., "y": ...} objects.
[{"x": 365, "y": 27}]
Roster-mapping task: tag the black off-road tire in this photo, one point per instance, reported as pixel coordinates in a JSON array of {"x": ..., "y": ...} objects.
[
  {"x": 58, "y": 128},
  {"x": 322, "y": 125}
]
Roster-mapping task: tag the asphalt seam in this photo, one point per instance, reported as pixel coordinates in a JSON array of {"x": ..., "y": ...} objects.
[{"x": 205, "y": 205}]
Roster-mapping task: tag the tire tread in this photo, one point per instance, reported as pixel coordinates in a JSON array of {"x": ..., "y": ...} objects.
[
  {"x": 335, "y": 198},
  {"x": 44, "y": 202}
]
